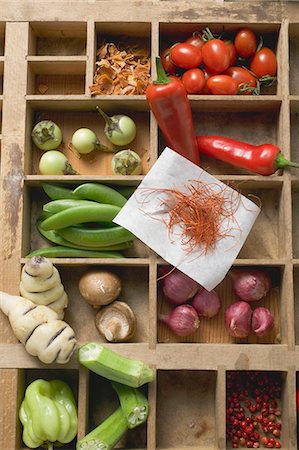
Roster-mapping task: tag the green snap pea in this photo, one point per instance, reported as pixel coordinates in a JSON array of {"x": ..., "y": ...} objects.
[
  {"x": 57, "y": 192},
  {"x": 53, "y": 236},
  {"x": 68, "y": 252},
  {"x": 59, "y": 205},
  {"x": 90, "y": 237},
  {"x": 100, "y": 193},
  {"x": 44, "y": 215},
  {"x": 126, "y": 191},
  {"x": 80, "y": 214}
]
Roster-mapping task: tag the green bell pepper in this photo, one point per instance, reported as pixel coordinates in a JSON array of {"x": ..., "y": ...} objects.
[{"x": 48, "y": 414}]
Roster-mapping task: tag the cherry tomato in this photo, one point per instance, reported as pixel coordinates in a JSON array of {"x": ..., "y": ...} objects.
[
  {"x": 167, "y": 64},
  {"x": 176, "y": 77},
  {"x": 243, "y": 77},
  {"x": 185, "y": 56},
  {"x": 216, "y": 56},
  {"x": 222, "y": 85},
  {"x": 245, "y": 42},
  {"x": 207, "y": 75},
  {"x": 232, "y": 52},
  {"x": 264, "y": 63},
  {"x": 195, "y": 40},
  {"x": 194, "y": 81}
]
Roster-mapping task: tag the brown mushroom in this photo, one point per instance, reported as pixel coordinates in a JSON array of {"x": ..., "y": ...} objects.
[
  {"x": 99, "y": 287},
  {"x": 116, "y": 322}
]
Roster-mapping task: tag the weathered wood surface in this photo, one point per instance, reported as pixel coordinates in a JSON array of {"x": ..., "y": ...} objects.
[{"x": 274, "y": 117}]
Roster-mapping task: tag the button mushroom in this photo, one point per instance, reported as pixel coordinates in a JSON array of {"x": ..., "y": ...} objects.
[
  {"x": 116, "y": 322},
  {"x": 99, "y": 287}
]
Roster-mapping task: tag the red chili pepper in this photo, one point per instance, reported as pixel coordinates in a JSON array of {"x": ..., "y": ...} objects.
[
  {"x": 262, "y": 159},
  {"x": 170, "y": 105}
]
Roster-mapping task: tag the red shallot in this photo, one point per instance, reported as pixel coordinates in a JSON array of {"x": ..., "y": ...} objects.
[
  {"x": 182, "y": 320},
  {"x": 262, "y": 321},
  {"x": 178, "y": 288},
  {"x": 238, "y": 319},
  {"x": 206, "y": 303},
  {"x": 250, "y": 285}
]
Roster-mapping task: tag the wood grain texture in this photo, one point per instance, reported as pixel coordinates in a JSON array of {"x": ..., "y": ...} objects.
[
  {"x": 10, "y": 386},
  {"x": 54, "y": 44},
  {"x": 12, "y": 159}
]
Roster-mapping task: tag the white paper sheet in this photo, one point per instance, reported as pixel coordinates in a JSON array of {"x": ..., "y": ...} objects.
[{"x": 143, "y": 215}]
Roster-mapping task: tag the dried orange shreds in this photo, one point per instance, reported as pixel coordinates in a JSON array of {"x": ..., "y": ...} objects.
[
  {"x": 123, "y": 71},
  {"x": 104, "y": 85},
  {"x": 203, "y": 213}
]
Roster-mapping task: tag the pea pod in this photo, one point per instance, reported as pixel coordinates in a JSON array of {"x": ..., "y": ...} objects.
[
  {"x": 90, "y": 237},
  {"x": 56, "y": 192},
  {"x": 48, "y": 414},
  {"x": 80, "y": 214},
  {"x": 59, "y": 251},
  {"x": 64, "y": 203},
  {"x": 44, "y": 215},
  {"x": 53, "y": 236},
  {"x": 100, "y": 193},
  {"x": 126, "y": 191}
]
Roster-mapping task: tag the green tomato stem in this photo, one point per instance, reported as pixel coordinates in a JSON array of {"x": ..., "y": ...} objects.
[
  {"x": 104, "y": 148},
  {"x": 104, "y": 115},
  {"x": 68, "y": 170},
  {"x": 45, "y": 132},
  {"x": 112, "y": 125},
  {"x": 126, "y": 162}
]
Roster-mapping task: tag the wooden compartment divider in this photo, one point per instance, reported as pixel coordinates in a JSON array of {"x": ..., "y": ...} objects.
[{"x": 47, "y": 61}]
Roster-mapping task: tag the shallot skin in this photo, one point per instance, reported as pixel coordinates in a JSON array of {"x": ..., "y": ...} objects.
[
  {"x": 237, "y": 319},
  {"x": 178, "y": 288},
  {"x": 250, "y": 285},
  {"x": 183, "y": 320},
  {"x": 206, "y": 303},
  {"x": 262, "y": 321}
]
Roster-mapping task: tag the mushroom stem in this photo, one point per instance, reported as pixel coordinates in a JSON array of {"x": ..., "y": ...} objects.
[
  {"x": 116, "y": 322},
  {"x": 112, "y": 329}
]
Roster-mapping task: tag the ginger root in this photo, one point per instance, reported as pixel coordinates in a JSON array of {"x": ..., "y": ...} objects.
[
  {"x": 39, "y": 329},
  {"x": 41, "y": 284}
]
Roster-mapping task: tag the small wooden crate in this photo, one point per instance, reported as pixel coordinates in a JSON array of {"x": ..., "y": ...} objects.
[{"x": 47, "y": 63}]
